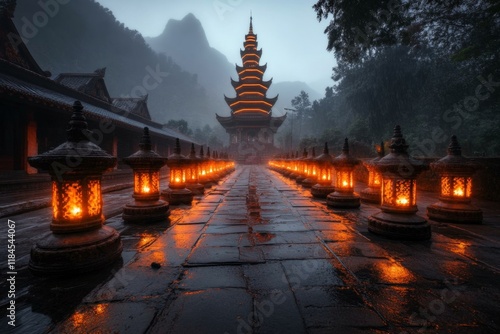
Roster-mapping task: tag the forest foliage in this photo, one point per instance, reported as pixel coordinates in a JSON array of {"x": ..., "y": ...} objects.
[{"x": 431, "y": 66}]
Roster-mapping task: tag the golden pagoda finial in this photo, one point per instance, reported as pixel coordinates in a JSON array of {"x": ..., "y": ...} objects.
[{"x": 250, "y": 31}]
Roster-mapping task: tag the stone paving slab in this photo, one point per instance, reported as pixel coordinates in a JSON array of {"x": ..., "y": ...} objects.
[{"x": 256, "y": 254}]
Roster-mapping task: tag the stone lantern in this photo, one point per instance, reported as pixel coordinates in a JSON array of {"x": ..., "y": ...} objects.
[
  {"x": 177, "y": 193},
  {"x": 344, "y": 195},
  {"x": 192, "y": 173},
  {"x": 372, "y": 192},
  {"x": 399, "y": 194},
  {"x": 204, "y": 177},
  {"x": 311, "y": 171},
  {"x": 147, "y": 206},
  {"x": 302, "y": 168},
  {"x": 455, "y": 172},
  {"x": 324, "y": 165},
  {"x": 78, "y": 241}
]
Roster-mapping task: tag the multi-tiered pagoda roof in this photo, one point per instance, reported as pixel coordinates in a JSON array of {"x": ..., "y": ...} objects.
[{"x": 251, "y": 106}]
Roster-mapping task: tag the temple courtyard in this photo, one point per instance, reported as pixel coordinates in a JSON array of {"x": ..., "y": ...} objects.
[{"x": 257, "y": 254}]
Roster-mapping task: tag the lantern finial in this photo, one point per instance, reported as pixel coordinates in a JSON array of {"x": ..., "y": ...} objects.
[
  {"x": 345, "y": 149},
  {"x": 78, "y": 125},
  {"x": 381, "y": 150},
  {"x": 145, "y": 143},
  {"x": 454, "y": 147},
  {"x": 398, "y": 143},
  {"x": 313, "y": 153},
  {"x": 208, "y": 152},
  {"x": 202, "y": 154},
  {"x": 304, "y": 153},
  {"x": 193, "y": 152},
  {"x": 325, "y": 150},
  {"x": 177, "y": 149}
]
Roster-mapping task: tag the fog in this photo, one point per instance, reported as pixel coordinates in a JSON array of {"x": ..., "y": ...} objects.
[{"x": 292, "y": 39}]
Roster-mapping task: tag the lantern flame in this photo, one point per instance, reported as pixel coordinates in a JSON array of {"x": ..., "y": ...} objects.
[
  {"x": 345, "y": 183},
  {"x": 458, "y": 192},
  {"x": 146, "y": 189},
  {"x": 402, "y": 200},
  {"x": 76, "y": 211}
]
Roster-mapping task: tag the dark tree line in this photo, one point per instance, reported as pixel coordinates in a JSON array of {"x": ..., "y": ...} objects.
[{"x": 431, "y": 66}]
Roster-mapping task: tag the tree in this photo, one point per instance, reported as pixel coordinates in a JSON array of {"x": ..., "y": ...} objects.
[
  {"x": 302, "y": 106},
  {"x": 464, "y": 30},
  {"x": 180, "y": 126}
]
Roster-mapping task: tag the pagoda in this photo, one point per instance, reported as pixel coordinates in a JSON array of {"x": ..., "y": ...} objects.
[{"x": 251, "y": 126}]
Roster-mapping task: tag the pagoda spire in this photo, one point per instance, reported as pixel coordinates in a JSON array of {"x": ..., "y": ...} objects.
[{"x": 250, "y": 30}]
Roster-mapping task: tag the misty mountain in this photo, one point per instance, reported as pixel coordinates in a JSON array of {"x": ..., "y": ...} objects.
[
  {"x": 186, "y": 43},
  {"x": 84, "y": 36}
]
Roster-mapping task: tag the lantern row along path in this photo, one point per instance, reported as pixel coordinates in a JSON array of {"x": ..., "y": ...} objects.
[{"x": 258, "y": 254}]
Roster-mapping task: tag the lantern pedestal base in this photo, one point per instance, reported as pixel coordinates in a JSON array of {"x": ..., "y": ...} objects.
[
  {"x": 399, "y": 226},
  {"x": 321, "y": 191},
  {"x": 196, "y": 188},
  {"x": 464, "y": 213},
  {"x": 308, "y": 183},
  {"x": 75, "y": 253},
  {"x": 178, "y": 196},
  {"x": 146, "y": 212},
  {"x": 299, "y": 179},
  {"x": 370, "y": 195},
  {"x": 343, "y": 200}
]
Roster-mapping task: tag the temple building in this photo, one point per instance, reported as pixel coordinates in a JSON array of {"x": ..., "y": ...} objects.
[
  {"x": 35, "y": 109},
  {"x": 251, "y": 126}
]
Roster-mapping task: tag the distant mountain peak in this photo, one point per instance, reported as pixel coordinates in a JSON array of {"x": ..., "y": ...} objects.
[{"x": 189, "y": 27}]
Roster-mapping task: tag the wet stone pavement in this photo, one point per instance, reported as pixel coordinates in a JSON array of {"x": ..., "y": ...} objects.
[{"x": 258, "y": 255}]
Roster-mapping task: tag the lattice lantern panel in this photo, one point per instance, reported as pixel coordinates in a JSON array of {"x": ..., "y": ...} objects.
[
  {"x": 456, "y": 187},
  {"x": 146, "y": 182},
  {"x": 344, "y": 180},
  {"x": 399, "y": 192},
  {"x": 325, "y": 175},
  {"x": 374, "y": 179}
]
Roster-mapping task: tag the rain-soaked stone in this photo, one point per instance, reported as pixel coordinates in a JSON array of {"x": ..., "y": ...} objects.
[
  {"x": 109, "y": 318},
  {"x": 202, "y": 278},
  {"x": 207, "y": 311}
]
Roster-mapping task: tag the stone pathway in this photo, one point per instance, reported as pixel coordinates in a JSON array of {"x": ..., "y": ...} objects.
[{"x": 259, "y": 255}]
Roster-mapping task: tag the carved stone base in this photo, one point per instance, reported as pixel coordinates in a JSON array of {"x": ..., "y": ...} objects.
[
  {"x": 343, "y": 200},
  {"x": 308, "y": 183},
  {"x": 399, "y": 226},
  {"x": 299, "y": 179},
  {"x": 145, "y": 212},
  {"x": 463, "y": 213},
  {"x": 75, "y": 253},
  {"x": 196, "y": 188},
  {"x": 321, "y": 191},
  {"x": 177, "y": 196},
  {"x": 370, "y": 195}
]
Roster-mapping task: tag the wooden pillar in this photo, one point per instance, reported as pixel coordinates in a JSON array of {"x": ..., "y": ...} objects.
[{"x": 31, "y": 142}]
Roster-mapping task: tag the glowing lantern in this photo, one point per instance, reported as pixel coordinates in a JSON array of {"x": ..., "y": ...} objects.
[
  {"x": 455, "y": 172},
  {"x": 79, "y": 242},
  {"x": 302, "y": 168},
  {"x": 192, "y": 171},
  {"x": 311, "y": 171},
  {"x": 204, "y": 175},
  {"x": 372, "y": 192},
  {"x": 295, "y": 161},
  {"x": 146, "y": 164},
  {"x": 399, "y": 194},
  {"x": 177, "y": 193},
  {"x": 324, "y": 164},
  {"x": 344, "y": 196}
]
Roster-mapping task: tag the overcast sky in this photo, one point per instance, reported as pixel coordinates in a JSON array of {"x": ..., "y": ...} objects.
[{"x": 292, "y": 39}]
